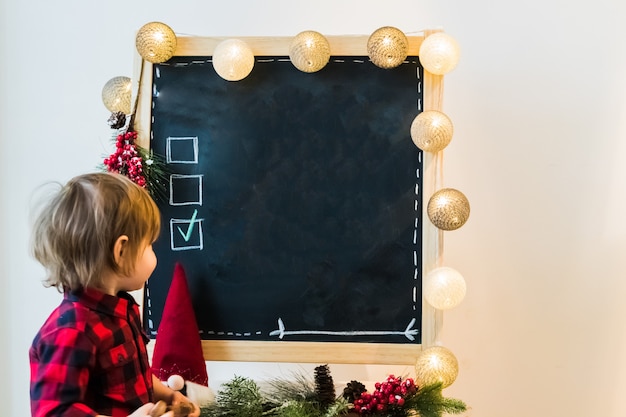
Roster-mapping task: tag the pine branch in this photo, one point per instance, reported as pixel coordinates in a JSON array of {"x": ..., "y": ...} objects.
[
  {"x": 240, "y": 397},
  {"x": 296, "y": 389},
  {"x": 339, "y": 407},
  {"x": 429, "y": 402},
  {"x": 296, "y": 408},
  {"x": 155, "y": 172}
]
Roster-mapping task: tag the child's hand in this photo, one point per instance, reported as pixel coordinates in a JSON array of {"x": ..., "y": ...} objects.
[
  {"x": 181, "y": 407},
  {"x": 184, "y": 405},
  {"x": 146, "y": 411}
]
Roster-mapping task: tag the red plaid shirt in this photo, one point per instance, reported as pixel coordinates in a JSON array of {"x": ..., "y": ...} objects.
[{"x": 90, "y": 358}]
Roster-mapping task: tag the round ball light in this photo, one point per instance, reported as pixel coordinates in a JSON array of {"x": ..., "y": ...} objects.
[
  {"x": 431, "y": 131},
  {"x": 309, "y": 51},
  {"x": 444, "y": 288},
  {"x": 233, "y": 59},
  {"x": 387, "y": 47},
  {"x": 448, "y": 209},
  {"x": 436, "y": 364},
  {"x": 439, "y": 53},
  {"x": 156, "y": 42},
  {"x": 116, "y": 94}
]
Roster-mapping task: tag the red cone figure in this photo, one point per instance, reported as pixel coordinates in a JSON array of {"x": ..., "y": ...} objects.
[{"x": 178, "y": 348}]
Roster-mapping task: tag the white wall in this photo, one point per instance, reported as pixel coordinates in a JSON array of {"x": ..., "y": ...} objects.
[{"x": 538, "y": 103}]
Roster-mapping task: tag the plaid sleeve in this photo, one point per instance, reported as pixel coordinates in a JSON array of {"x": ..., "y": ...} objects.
[{"x": 60, "y": 364}]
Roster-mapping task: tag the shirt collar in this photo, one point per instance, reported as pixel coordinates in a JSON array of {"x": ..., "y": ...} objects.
[{"x": 97, "y": 300}]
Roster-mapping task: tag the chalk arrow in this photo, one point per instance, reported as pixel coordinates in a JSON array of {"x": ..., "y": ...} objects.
[{"x": 409, "y": 332}]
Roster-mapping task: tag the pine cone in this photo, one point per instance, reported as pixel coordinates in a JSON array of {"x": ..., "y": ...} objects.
[
  {"x": 324, "y": 386},
  {"x": 353, "y": 391},
  {"x": 117, "y": 120}
]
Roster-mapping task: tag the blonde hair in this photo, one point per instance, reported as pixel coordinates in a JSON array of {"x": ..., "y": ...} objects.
[{"x": 75, "y": 230}]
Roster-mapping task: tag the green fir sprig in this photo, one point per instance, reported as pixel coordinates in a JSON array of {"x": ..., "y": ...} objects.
[
  {"x": 240, "y": 397},
  {"x": 430, "y": 402},
  {"x": 296, "y": 408},
  {"x": 155, "y": 173},
  {"x": 298, "y": 388}
]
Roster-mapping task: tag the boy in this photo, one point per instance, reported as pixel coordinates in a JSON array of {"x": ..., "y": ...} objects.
[{"x": 94, "y": 237}]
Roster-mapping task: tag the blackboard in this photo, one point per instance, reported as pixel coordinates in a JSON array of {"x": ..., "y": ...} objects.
[{"x": 294, "y": 201}]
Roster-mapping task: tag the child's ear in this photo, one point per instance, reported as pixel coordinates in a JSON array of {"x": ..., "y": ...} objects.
[{"x": 119, "y": 248}]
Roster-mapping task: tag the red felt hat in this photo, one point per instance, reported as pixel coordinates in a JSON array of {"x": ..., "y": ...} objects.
[{"x": 178, "y": 348}]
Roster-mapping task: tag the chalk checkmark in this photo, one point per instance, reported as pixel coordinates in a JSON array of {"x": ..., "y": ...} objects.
[{"x": 187, "y": 235}]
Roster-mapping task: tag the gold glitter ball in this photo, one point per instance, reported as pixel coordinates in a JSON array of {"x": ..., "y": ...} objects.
[
  {"x": 116, "y": 94},
  {"x": 431, "y": 131},
  {"x": 387, "y": 47},
  {"x": 156, "y": 42},
  {"x": 436, "y": 364},
  {"x": 448, "y": 209},
  {"x": 309, "y": 51}
]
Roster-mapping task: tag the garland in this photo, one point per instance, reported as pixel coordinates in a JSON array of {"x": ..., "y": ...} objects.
[{"x": 301, "y": 397}]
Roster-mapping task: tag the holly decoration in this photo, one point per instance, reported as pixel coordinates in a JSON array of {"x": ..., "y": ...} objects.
[
  {"x": 127, "y": 160},
  {"x": 388, "y": 395},
  {"x": 143, "y": 167},
  {"x": 398, "y": 397}
]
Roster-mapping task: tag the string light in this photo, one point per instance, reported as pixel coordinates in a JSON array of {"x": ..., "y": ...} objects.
[
  {"x": 431, "y": 131},
  {"x": 156, "y": 42},
  {"x": 309, "y": 51},
  {"x": 444, "y": 288},
  {"x": 233, "y": 59},
  {"x": 448, "y": 209},
  {"x": 116, "y": 94},
  {"x": 439, "y": 53},
  {"x": 436, "y": 364},
  {"x": 387, "y": 47}
]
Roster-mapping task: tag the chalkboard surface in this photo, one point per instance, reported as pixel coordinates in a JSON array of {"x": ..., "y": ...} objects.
[{"x": 294, "y": 200}]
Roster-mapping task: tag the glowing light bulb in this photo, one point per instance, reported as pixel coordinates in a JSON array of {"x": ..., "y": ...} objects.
[
  {"x": 431, "y": 131},
  {"x": 156, "y": 42},
  {"x": 309, "y": 51},
  {"x": 448, "y": 209},
  {"x": 436, "y": 364},
  {"x": 387, "y": 47},
  {"x": 116, "y": 94},
  {"x": 444, "y": 288},
  {"x": 233, "y": 60},
  {"x": 439, "y": 53}
]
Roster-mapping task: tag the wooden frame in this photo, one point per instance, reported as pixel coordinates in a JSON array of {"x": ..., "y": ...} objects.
[{"x": 432, "y": 238}]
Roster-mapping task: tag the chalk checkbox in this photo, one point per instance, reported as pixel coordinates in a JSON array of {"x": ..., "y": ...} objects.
[
  {"x": 181, "y": 150},
  {"x": 186, "y": 234},
  {"x": 185, "y": 190}
]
